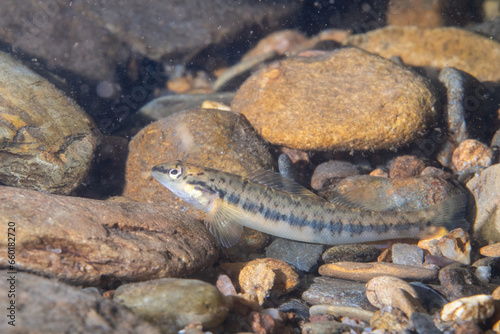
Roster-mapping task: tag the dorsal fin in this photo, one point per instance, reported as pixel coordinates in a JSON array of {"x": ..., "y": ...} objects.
[
  {"x": 364, "y": 198},
  {"x": 276, "y": 181}
]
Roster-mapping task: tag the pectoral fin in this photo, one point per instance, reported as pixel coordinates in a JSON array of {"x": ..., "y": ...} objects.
[{"x": 223, "y": 223}]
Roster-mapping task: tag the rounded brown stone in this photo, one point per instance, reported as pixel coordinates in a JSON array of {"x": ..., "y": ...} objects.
[
  {"x": 346, "y": 99},
  {"x": 490, "y": 250},
  {"x": 47, "y": 140},
  {"x": 391, "y": 291},
  {"x": 91, "y": 242},
  {"x": 435, "y": 48},
  {"x": 207, "y": 137},
  {"x": 406, "y": 166},
  {"x": 173, "y": 303},
  {"x": 366, "y": 271},
  {"x": 267, "y": 276},
  {"x": 472, "y": 153}
]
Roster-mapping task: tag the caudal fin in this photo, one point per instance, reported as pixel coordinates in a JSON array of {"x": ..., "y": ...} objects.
[{"x": 450, "y": 213}]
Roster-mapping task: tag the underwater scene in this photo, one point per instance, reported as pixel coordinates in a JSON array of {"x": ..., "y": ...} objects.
[{"x": 250, "y": 166}]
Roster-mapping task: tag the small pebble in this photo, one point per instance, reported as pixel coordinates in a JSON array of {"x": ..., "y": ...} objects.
[
  {"x": 431, "y": 300},
  {"x": 379, "y": 172},
  {"x": 437, "y": 261},
  {"x": 407, "y": 255},
  {"x": 492, "y": 262},
  {"x": 455, "y": 245},
  {"x": 225, "y": 286},
  {"x": 392, "y": 320},
  {"x": 472, "y": 153},
  {"x": 351, "y": 252},
  {"x": 485, "y": 187},
  {"x": 333, "y": 327},
  {"x": 406, "y": 166},
  {"x": 285, "y": 167},
  {"x": 209, "y": 104},
  {"x": 366, "y": 271},
  {"x": 389, "y": 291},
  {"x": 331, "y": 170},
  {"x": 475, "y": 308},
  {"x": 265, "y": 276},
  {"x": 264, "y": 323},
  {"x": 467, "y": 327},
  {"x": 458, "y": 282},
  {"x": 424, "y": 323},
  {"x": 490, "y": 250},
  {"x": 495, "y": 141},
  {"x": 436, "y": 172},
  {"x": 341, "y": 311},
  {"x": 483, "y": 273},
  {"x": 296, "y": 306},
  {"x": 496, "y": 293}
]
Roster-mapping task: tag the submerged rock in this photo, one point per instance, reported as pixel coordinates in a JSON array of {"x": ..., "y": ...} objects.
[
  {"x": 92, "y": 242},
  {"x": 174, "y": 303},
  {"x": 50, "y": 306},
  {"x": 99, "y": 35},
  {"x": 405, "y": 194},
  {"x": 458, "y": 282},
  {"x": 331, "y": 291},
  {"x": 206, "y": 137},
  {"x": 302, "y": 256},
  {"x": 356, "y": 98},
  {"x": 435, "y": 49},
  {"x": 47, "y": 142},
  {"x": 472, "y": 153},
  {"x": 485, "y": 187},
  {"x": 475, "y": 308}
]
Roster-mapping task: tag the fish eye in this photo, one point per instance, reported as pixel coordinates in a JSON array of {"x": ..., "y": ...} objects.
[{"x": 174, "y": 173}]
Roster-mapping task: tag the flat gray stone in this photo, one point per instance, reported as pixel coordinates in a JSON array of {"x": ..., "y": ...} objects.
[
  {"x": 408, "y": 255},
  {"x": 332, "y": 291},
  {"x": 301, "y": 255}
]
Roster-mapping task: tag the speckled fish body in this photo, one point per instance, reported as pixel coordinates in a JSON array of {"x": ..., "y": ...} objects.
[{"x": 269, "y": 203}]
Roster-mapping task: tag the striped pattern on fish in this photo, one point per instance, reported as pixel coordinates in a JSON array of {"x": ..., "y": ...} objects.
[{"x": 272, "y": 204}]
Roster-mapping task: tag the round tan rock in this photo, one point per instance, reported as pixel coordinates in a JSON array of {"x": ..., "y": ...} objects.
[
  {"x": 90, "y": 242},
  {"x": 435, "y": 48},
  {"x": 174, "y": 303},
  {"x": 206, "y": 137},
  {"x": 47, "y": 142},
  {"x": 490, "y": 250},
  {"x": 268, "y": 275},
  {"x": 475, "y": 308},
  {"x": 366, "y": 271},
  {"x": 346, "y": 99},
  {"x": 391, "y": 291},
  {"x": 472, "y": 153}
]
